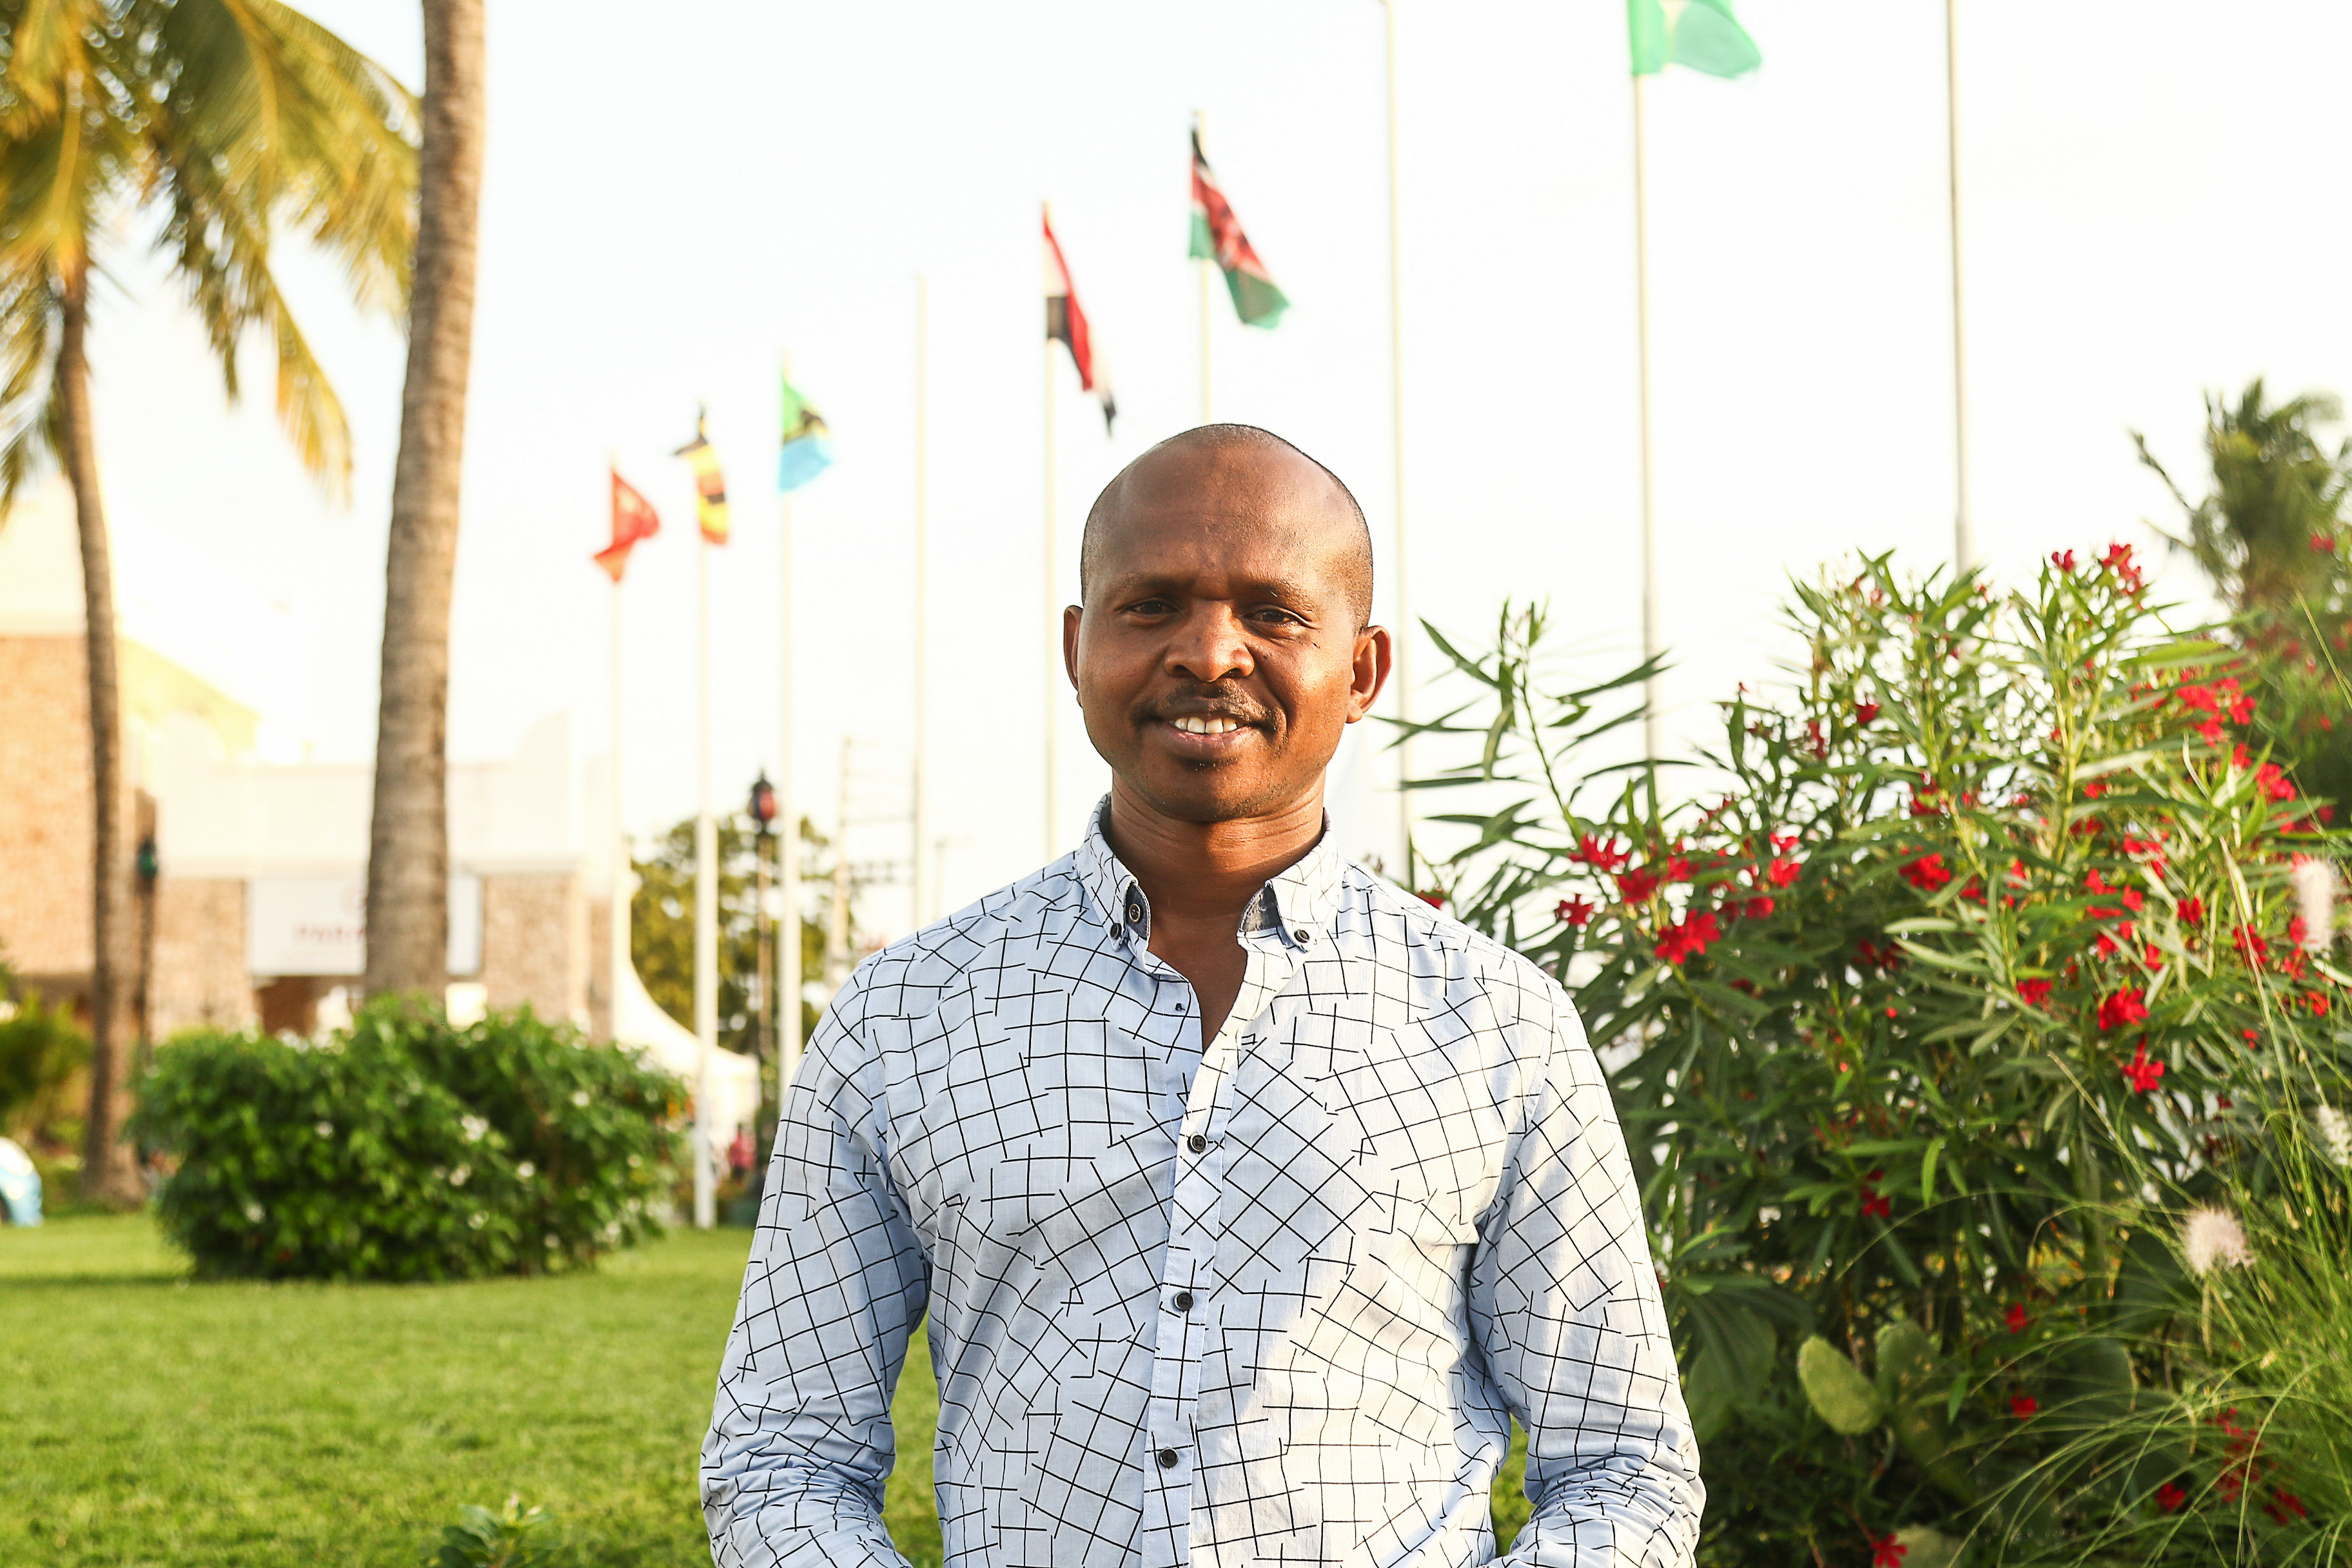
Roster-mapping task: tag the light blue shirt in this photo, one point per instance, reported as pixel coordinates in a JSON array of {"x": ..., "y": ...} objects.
[{"x": 1275, "y": 1301}]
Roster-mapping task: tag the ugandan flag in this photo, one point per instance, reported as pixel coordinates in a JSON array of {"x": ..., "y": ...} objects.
[
  {"x": 1065, "y": 324},
  {"x": 1217, "y": 237},
  {"x": 709, "y": 484},
  {"x": 633, "y": 520}
]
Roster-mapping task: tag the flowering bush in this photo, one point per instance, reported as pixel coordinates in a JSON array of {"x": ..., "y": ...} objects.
[
  {"x": 1992, "y": 913},
  {"x": 405, "y": 1148}
]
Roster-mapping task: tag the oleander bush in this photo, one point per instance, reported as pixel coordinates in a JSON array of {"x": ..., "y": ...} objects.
[
  {"x": 407, "y": 1148},
  {"x": 1984, "y": 937}
]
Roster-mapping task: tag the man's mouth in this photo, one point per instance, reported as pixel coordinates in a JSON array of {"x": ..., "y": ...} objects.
[{"x": 1206, "y": 724}]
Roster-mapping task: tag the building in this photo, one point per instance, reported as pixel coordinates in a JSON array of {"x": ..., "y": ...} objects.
[{"x": 254, "y": 913}]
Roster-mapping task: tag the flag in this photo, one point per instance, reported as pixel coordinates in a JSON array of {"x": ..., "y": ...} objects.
[
  {"x": 1217, "y": 237},
  {"x": 633, "y": 520},
  {"x": 709, "y": 485},
  {"x": 808, "y": 442},
  {"x": 1065, "y": 324},
  {"x": 1701, "y": 34}
]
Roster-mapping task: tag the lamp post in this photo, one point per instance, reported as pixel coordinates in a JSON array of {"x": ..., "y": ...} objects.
[{"x": 762, "y": 809}]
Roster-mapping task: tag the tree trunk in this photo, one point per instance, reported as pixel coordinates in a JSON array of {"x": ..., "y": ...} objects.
[
  {"x": 107, "y": 1169},
  {"x": 408, "y": 841}
]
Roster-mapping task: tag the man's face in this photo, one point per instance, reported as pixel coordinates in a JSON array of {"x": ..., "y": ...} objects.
[{"x": 1218, "y": 656}]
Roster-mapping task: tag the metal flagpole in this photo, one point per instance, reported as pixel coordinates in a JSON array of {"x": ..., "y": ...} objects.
[
  {"x": 1652, "y": 617},
  {"x": 1402, "y": 671},
  {"x": 1053, "y": 628},
  {"x": 918, "y": 880},
  {"x": 617, "y": 924},
  {"x": 788, "y": 814},
  {"x": 1964, "y": 528},
  {"x": 1200, "y": 125},
  {"x": 705, "y": 901}
]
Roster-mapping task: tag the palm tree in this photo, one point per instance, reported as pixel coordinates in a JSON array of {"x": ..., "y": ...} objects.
[
  {"x": 224, "y": 116},
  {"x": 408, "y": 839}
]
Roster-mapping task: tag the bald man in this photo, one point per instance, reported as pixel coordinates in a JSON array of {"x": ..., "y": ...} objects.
[{"x": 1245, "y": 1198}]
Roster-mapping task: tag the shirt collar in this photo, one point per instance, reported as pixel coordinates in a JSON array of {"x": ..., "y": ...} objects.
[{"x": 1298, "y": 902}]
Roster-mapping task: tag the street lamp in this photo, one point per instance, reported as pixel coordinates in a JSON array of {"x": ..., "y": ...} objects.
[{"x": 761, "y": 810}]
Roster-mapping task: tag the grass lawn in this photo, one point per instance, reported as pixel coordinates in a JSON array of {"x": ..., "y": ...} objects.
[{"x": 145, "y": 1420}]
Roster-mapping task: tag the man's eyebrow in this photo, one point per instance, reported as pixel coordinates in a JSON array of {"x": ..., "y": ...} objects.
[{"x": 1144, "y": 580}]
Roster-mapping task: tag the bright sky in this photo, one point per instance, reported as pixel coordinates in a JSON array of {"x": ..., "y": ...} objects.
[{"x": 670, "y": 207}]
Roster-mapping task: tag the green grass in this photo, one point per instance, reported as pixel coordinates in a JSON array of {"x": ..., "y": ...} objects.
[{"x": 147, "y": 1420}]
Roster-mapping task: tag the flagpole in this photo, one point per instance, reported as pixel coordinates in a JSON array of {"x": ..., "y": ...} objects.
[
  {"x": 706, "y": 900},
  {"x": 919, "y": 882},
  {"x": 618, "y": 923},
  {"x": 788, "y": 865},
  {"x": 1964, "y": 531},
  {"x": 1401, "y": 671},
  {"x": 1052, "y": 626},
  {"x": 1653, "y": 620},
  {"x": 1200, "y": 125}
]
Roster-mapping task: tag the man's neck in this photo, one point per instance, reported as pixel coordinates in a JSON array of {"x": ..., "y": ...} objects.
[{"x": 1196, "y": 871}]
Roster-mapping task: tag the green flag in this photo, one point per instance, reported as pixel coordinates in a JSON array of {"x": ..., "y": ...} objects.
[{"x": 1705, "y": 36}]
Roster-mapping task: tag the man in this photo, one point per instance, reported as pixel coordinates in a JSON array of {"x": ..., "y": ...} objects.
[{"x": 1248, "y": 1197}]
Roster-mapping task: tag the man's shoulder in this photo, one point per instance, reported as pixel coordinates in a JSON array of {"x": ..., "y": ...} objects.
[
  {"x": 1015, "y": 924},
  {"x": 1383, "y": 913}
]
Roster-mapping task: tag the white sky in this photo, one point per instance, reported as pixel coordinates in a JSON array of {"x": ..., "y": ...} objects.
[{"x": 2152, "y": 212}]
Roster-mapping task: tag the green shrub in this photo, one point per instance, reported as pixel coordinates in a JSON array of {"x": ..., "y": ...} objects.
[
  {"x": 1989, "y": 925},
  {"x": 405, "y": 1149},
  {"x": 40, "y": 1048},
  {"x": 511, "y": 1537}
]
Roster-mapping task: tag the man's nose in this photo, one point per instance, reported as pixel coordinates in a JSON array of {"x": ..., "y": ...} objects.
[{"x": 1210, "y": 645}]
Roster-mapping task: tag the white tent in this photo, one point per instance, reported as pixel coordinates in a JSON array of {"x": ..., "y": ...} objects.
[{"x": 640, "y": 1022}]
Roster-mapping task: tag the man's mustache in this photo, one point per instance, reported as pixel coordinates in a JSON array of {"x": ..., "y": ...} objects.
[{"x": 1208, "y": 702}]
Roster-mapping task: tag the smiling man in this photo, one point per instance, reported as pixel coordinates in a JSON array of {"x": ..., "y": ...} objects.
[{"x": 1248, "y": 1197}]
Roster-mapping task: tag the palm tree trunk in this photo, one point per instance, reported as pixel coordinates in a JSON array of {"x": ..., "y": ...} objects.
[
  {"x": 408, "y": 842},
  {"x": 107, "y": 1170}
]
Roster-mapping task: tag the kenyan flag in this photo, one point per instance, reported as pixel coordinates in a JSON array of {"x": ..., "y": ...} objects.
[{"x": 1217, "y": 237}]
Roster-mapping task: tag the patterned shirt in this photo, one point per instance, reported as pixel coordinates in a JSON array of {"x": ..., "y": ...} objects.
[{"x": 1275, "y": 1301}]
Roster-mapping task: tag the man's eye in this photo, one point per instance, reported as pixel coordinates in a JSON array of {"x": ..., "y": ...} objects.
[
  {"x": 1274, "y": 614},
  {"x": 1150, "y": 607}
]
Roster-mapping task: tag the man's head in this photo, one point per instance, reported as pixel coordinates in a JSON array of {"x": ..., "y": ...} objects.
[{"x": 1222, "y": 645}]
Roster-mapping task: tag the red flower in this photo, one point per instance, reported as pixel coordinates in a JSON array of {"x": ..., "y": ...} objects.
[
  {"x": 2140, "y": 1073},
  {"x": 2251, "y": 946},
  {"x": 1601, "y": 856},
  {"x": 2323, "y": 545},
  {"x": 2016, "y": 1319},
  {"x": 2196, "y": 699},
  {"x": 2125, "y": 1006},
  {"x": 1757, "y": 908},
  {"x": 2034, "y": 992},
  {"x": 2270, "y": 779},
  {"x": 1784, "y": 842},
  {"x": 2212, "y": 732},
  {"x": 1678, "y": 869},
  {"x": 1821, "y": 742},
  {"x": 2318, "y": 1000},
  {"x": 1782, "y": 872},
  {"x": 1688, "y": 938},
  {"x": 1636, "y": 885},
  {"x": 2283, "y": 1503},
  {"x": 1885, "y": 1551},
  {"x": 2170, "y": 1497},
  {"x": 2192, "y": 911},
  {"x": 1577, "y": 911},
  {"x": 1927, "y": 873},
  {"x": 2119, "y": 560},
  {"x": 1434, "y": 897},
  {"x": 1864, "y": 712},
  {"x": 1974, "y": 891},
  {"x": 2063, "y": 559},
  {"x": 2236, "y": 703},
  {"x": 2239, "y": 758},
  {"x": 2096, "y": 883},
  {"x": 2023, "y": 1406},
  {"x": 2134, "y": 900},
  {"x": 1874, "y": 1203},
  {"x": 2107, "y": 948}
]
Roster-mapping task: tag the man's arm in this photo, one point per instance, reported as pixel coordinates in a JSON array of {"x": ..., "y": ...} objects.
[
  {"x": 1564, "y": 1303},
  {"x": 800, "y": 1439}
]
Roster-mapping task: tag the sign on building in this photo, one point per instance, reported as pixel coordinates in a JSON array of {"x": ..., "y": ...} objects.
[{"x": 318, "y": 925}]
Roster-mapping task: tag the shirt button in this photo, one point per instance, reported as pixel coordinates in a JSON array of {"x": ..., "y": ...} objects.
[
  {"x": 1180, "y": 1004},
  {"x": 1300, "y": 933},
  {"x": 1196, "y": 1142},
  {"x": 1135, "y": 912},
  {"x": 1183, "y": 1302},
  {"x": 1167, "y": 1458}
]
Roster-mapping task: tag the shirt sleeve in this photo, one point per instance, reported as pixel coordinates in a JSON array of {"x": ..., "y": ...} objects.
[
  {"x": 1565, "y": 1305},
  {"x": 800, "y": 1439}
]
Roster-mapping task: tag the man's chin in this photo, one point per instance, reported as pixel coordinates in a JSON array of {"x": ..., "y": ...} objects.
[{"x": 1207, "y": 793}]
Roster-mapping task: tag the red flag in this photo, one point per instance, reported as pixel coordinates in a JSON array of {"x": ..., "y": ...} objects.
[
  {"x": 633, "y": 520},
  {"x": 1066, "y": 323}
]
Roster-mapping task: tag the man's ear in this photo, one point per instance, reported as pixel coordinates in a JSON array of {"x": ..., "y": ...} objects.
[
  {"x": 1374, "y": 657},
  {"x": 1071, "y": 616}
]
